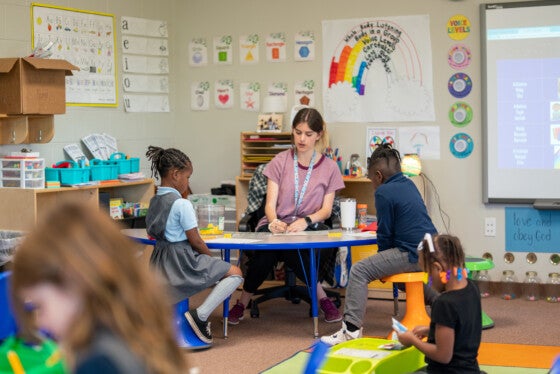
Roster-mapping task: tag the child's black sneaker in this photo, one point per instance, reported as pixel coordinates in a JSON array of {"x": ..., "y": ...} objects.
[{"x": 200, "y": 328}]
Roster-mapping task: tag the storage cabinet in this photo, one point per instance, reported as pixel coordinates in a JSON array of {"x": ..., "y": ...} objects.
[
  {"x": 23, "y": 208},
  {"x": 260, "y": 147}
]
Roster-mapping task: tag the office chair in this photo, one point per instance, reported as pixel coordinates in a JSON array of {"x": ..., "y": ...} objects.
[{"x": 290, "y": 290}]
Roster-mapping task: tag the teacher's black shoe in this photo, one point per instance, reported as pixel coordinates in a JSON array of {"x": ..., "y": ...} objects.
[{"x": 200, "y": 328}]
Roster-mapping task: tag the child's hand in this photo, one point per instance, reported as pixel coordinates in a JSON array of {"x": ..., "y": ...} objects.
[
  {"x": 421, "y": 331},
  {"x": 406, "y": 338}
]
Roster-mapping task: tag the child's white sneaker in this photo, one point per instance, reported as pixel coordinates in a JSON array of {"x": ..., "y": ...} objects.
[{"x": 342, "y": 335}]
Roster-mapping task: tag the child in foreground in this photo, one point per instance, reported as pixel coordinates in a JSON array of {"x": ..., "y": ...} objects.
[
  {"x": 76, "y": 278},
  {"x": 180, "y": 254},
  {"x": 456, "y": 324}
]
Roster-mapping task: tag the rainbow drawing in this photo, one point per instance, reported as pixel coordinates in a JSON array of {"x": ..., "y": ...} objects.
[{"x": 379, "y": 41}]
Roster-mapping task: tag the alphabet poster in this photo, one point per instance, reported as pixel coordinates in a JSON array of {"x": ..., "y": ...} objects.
[
  {"x": 85, "y": 39},
  {"x": 378, "y": 70},
  {"x": 532, "y": 230}
]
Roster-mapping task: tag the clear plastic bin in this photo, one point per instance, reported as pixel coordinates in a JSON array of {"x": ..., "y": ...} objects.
[
  {"x": 9, "y": 240},
  {"x": 211, "y": 218}
]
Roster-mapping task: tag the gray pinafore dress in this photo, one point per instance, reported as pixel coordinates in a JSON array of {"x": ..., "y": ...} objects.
[{"x": 186, "y": 271}]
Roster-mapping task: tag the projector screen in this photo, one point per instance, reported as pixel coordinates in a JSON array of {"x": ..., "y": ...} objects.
[{"x": 521, "y": 101}]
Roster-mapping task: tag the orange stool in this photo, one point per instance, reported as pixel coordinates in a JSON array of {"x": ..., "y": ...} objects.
[{"x": 415, "y": 308}]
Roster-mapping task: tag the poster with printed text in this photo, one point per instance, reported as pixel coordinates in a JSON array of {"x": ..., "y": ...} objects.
[
  {"x": 198, "y": 52},
  {"x": 304, "y": 46},
  {"x": 85, "y": 39},
  {"x": 223, "y": 95},
  {"x": 249, "y": 96},
  {"x": 223, "y": 50},
  {"x": 279, "y": 89},
  {"x": 380, "y": 135},
  {"x": 304, "y": 93},
  {"x": 378, "y": 70},
  {"x": 200, "y": 95},
  {"x": 145, "y": 63},
  {"x": 276, "y": 47},
  {"x": 249, "y": 49},
  {"x": 143, "y": 26}
]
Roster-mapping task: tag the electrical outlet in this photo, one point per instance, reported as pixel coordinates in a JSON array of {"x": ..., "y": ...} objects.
[{"x": 490, "y": 226}]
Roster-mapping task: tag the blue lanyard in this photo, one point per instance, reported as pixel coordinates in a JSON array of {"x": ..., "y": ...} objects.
[{"x": 298, "y": 195}]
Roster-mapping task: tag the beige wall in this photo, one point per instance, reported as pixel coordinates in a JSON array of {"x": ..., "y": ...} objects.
[{"x": 212, "y": 138}]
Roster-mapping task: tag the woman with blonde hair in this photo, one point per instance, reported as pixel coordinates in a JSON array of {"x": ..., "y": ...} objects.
[{"x": 77, "y": 275}]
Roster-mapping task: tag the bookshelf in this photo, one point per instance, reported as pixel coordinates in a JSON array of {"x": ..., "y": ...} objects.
[
  {"x": 260, "y": 147},
  {"x": 23, "y": 208}
]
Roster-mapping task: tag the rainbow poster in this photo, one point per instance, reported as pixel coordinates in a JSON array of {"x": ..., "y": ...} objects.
[{"x": 378, "y": 70}]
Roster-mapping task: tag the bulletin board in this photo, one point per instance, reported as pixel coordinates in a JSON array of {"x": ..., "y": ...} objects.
[{"x": 87, "y": 40}]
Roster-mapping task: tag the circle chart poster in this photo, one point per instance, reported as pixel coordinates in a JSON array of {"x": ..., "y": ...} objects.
[{"x": 378, "y": 70}]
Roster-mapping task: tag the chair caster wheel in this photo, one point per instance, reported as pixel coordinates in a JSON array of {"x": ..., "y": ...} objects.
[{"x": 254, "y": 311}]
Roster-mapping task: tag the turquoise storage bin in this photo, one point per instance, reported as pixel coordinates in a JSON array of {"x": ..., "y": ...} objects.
[
  {"x": 122, "y": 163},
  {"x": 52, "y": 175},
  {"x": 134, "y": 164},
  {"x": 103, "y": 170},
  {"x": 73, "y": 174}
]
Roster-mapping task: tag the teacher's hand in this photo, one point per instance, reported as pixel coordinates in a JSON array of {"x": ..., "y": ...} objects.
[
  {"x": 277, "y": 227},
  {"x": 298, "y": 225}
]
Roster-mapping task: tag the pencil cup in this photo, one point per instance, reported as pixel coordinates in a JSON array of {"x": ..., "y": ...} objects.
[{"x": 348, "y": 214}]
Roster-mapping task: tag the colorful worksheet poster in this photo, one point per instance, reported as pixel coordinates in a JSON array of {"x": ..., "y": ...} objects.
[
  {"x": 304, "y": 46},
  {"x": 223, "y": 50},
  {"x": 198, "y": 52},
  {"x": 278, "y": 89},
  {"x": 423, "y": 140},
  {"x": 223, "y": 95},
  {"x": 249, "y": 49},
  {"x": 85, "y": 39},
  {"x": 276, "y": 47},
  {"x": 249, "y": 96},
  {"x": 304, "y": 93},
  {"x": 378, "y": 70},
  {"x": 200, "y": 95},
  {"x": 377, "y": 135}
]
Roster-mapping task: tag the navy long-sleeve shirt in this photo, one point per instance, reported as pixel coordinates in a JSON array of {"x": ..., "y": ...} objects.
[{"x": 402, "y": 217}]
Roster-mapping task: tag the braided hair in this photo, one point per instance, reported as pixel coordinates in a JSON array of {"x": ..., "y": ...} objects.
[
  {"x": 164, "y": 160},
  {"x": 447, "y": 250},
  {"x": 391, "y": 158}
]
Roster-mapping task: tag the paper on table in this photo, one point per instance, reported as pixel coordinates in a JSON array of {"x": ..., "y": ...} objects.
[
  {"x": 362, "y": 353},
  {"x": 232, "y": 240},
  {"x": 365, "y": 234}
]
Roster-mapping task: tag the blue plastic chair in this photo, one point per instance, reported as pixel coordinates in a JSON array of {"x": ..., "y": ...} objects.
[
  {"x": 185, "y": 335},
  {"x": 7, "y": 321}
]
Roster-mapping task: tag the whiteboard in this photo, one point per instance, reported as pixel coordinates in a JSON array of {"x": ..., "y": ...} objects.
[{"x": 87, "y": 40}]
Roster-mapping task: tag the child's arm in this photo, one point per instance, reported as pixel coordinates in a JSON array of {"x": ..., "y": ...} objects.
[
  {"x": 441, "y": 352},
  {"x": 196, "y": 242}
]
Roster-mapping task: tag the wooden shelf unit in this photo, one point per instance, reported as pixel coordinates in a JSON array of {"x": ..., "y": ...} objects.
[
  {"x": 24, "y": 207},
  {"x": 260, "y": 147}
]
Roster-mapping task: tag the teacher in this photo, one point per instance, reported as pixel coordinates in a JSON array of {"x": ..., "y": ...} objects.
[{"x": 301, "y": 187}]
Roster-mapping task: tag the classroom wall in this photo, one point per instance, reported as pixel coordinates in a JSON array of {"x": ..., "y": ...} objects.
[
  {"x": 134, "y": 131},
  {"x": 211, "y": 138}
]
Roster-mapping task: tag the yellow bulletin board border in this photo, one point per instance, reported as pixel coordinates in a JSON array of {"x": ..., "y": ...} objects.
[{"x": 65, "y": 29}]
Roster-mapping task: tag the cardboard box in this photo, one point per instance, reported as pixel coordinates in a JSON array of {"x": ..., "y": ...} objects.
[{"x": 33, "y": 85}]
